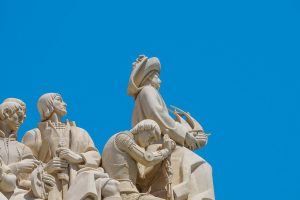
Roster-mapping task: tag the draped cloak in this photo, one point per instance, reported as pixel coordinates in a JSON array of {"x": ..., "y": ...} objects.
[
  {"x": 43, "y": 143},
  {"x": 192, "y": 178}
]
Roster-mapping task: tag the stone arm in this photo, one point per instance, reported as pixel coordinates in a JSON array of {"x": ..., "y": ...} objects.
[
  {"x": 7, "y": 179},
  {"x": 32, "y": 139},
  {"x": 25, "y": 153},
  {"x": 90, "y": 154},
  {"x": 154, "y": 108},
  {"x": 125, "y": 143}
]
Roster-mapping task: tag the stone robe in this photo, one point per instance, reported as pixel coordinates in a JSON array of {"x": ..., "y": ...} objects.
[
  {"x": 192, "y": 179},
  {"x": 44, "y": 140},
  {"x": 12, "y": 152}
]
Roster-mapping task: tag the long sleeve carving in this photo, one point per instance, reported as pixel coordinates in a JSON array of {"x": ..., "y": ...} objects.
[{"x": 127, "y": 144}]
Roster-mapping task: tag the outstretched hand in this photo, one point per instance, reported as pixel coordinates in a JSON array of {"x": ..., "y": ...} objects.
[
  {"x": 70, "y": 156},
  {"x": 195, "y": 140}
]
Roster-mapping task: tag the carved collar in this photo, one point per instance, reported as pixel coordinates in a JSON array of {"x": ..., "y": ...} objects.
[
  {"x": 12, "y": 136},
  {"x": 43, "y": 125}
]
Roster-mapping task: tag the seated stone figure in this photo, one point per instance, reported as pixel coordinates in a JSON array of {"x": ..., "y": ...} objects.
[
  {"x": 17, "y": 160},
  {"x": 192, "y": 179},
  {"x": 126, "y": 149},
  {"x": 68, "y": 154}
]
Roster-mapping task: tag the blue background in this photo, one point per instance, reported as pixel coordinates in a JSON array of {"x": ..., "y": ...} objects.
[{"x": 233, "y": 64}]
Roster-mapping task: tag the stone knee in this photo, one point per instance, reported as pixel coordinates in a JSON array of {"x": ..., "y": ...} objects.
[{"x": 111, "y": 190}]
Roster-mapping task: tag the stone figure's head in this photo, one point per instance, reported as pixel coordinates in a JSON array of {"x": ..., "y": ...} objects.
[
  {"x": 153, "y": 80},
  {"x": 145, "y": 71},
  {"x": 19, "y": 101},
  {"x": 146, "y": 132},
  {"x": 51, "y": 103},
  {"x": 12, "y": 115},
  {"x": 8, "y": 180}
]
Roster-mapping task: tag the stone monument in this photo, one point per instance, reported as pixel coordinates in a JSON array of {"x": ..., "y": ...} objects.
[
  {"x": 19, "y": 181},
  {"x": 191, "y": 176},
  {"x": 126, "y": 149},
  {"x": 67, "y": 151},
  {"x": 153, "y": 160}
]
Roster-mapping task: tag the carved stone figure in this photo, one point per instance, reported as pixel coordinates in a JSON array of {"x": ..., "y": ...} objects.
[
  {"x": 8, "y": 181},
  {"x": 69, "y": 155},
  {"x": 17, "y": 160},
  {"x": 192, "y": 178},
  {"x": 126, "y": 149}
]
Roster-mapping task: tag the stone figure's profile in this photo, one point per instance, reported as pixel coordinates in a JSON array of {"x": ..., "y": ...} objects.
[
  {"x": 69, "y": 155},
  {"x": 192, "y": 178},
  {"x": 126, "y": 149},
  {"x": 17, "y": 160}
]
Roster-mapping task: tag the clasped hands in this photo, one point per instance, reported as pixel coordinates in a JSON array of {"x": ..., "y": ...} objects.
[
  {"x": 195, "y": 139},
  {"x": 65, "y": 157}
]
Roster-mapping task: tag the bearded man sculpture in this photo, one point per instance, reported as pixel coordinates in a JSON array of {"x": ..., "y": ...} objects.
[
  {"x": 69, "y": 155},
  {"x": 192, "y": 177}
]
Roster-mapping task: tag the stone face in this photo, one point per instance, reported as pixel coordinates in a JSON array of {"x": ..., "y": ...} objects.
[{"x": 58, "y": 160}]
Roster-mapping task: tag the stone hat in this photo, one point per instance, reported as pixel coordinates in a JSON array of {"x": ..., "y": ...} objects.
[{"x": 141, "y": 69}]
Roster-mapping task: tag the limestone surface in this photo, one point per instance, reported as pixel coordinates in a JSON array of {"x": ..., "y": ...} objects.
[{"x": 152, "y": 160}]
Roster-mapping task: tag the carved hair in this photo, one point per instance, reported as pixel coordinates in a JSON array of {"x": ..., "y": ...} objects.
[
  {"x": 19, "y": 101},
  {"x": 45, "y": 105},
  {"x": 146, "y": 125},
  {"x": 8, "y": 108}
]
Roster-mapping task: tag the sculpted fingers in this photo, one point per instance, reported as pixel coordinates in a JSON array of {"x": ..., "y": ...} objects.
[
  {"x": 49, "y": 180},
  {"x": 64, "y": 153},
  {"x": 60, "y": 149},
  {"x": 27, "y": 165},
  {"x": 56, "y": 164}
]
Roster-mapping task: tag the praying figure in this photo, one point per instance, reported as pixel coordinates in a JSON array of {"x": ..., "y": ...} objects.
[
  {"x": 126, "y": 149},
  {"x": 69, "y": 155},
  {"x": 192, "y": 175}
]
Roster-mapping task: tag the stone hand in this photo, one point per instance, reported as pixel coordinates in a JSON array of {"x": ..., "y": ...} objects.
[
  {"x": 195, "y": 140},
  {"x": 27, "y": 165},
  {"x": 49, "y": 181},
  {"x": 169, "y": 144},
  {"x": 56, "y": 165},
  {"x": 69, "y": 155}
]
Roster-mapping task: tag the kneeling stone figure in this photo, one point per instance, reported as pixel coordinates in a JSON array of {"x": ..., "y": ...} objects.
[{"x": 126, "y": 149}]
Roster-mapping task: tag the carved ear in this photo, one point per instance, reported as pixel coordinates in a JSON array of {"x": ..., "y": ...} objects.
[{"x": 6, "y": 113}]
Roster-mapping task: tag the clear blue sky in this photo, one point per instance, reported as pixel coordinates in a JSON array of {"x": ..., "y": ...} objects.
[{"x": 233, "y": 64}]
